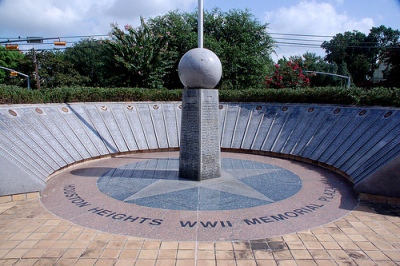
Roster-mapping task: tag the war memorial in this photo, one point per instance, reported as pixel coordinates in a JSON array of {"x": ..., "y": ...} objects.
[{"x": 199, "y": 182}]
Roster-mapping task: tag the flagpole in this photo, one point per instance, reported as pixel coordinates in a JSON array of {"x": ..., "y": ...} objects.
[{"x": 200, "y": 24}]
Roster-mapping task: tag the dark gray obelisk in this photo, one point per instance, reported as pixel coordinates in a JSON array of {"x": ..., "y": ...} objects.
[{"x": 200, "y": 71}]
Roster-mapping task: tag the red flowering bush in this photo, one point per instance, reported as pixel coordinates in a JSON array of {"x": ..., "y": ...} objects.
[{"x": 287, "y": 75}]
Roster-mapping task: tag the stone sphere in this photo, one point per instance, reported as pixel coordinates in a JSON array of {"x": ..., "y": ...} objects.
[{"x": 200, "y": 68}]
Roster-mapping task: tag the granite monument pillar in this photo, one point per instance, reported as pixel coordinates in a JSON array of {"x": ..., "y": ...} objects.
[{"x": 200, "y": 71}]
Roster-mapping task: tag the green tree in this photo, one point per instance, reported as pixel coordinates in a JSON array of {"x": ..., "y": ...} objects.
[
  {"x": 358, "y": 54},
  {"x": 350, "y": 49},
  {"x": 9, "y": 59},
  {"x": 393, "y": 72},
  {"x": 383, "y": 39},
  {"x": 183, "y": 28},
  {"x": 143, "y": 53},
  {"x": 387, "y": 41},
  {"x": 92, "y": 59},
  {"x": 245, "y": 57},
  {"x": 54, "y": 70},
  {"x": 243, "y": 44}
]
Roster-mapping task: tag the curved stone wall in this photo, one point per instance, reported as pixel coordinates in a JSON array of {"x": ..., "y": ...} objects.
[{"x": 361, "y": 143}]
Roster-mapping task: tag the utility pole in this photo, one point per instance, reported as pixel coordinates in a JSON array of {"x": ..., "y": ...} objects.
[{"x": 36, "y": 69}]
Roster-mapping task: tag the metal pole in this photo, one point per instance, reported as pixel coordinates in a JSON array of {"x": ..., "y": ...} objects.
[
  {"x": 331, "y": 74},
  {"x": 200, "y": 24},
  {"x": 19, "y": 73},
  {"x": 36, "y": 69}
]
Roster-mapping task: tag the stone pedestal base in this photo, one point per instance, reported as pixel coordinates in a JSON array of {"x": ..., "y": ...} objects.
[{"x": 199, "y": 157}]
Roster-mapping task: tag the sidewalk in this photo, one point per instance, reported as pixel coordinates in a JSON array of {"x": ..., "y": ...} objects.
[{"x": 30, "y": 235}]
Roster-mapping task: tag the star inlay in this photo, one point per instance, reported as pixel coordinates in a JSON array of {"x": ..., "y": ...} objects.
[{"x": 155, "y": 183}]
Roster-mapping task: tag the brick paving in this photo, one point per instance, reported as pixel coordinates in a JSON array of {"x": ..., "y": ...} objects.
[{"x": 30, "y": 235}]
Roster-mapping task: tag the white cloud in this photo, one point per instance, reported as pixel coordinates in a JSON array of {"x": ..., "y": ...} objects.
[
  {"x": 312, "y": 17},
  {"x": 127, "y": 9},
  {"x": 77, "y": 17},
  {"x": 33, "y": 17}
]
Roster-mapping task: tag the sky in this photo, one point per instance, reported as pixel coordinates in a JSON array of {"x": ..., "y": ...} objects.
[{"x": 287, "y": 20}]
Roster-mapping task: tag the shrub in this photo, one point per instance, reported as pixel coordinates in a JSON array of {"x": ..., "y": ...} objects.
[
  {"x": 287, "y": 75},
  {"x": 322, "y": 95}
]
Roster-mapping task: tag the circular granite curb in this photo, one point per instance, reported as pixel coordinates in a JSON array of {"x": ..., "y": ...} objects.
[{"x": 73, "y": 195}]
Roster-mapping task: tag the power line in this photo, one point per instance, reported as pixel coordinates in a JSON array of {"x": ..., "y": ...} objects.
[
  {"x": 19, "y": 39},
  {"x": 301, "y": 35},
  {"x": 283, "y": 39},
  {"x": 299, "y": 44},
  {"x": 309, "y": 40},
  {"x": 296, "y": 39}
]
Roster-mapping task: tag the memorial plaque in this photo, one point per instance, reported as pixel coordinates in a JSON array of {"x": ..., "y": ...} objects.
[
  {"x": 147, "y": 124},
  {"x": 25, "y": 131},
  {"x": 229, "y": 125},
  {"x": 43, "y": 132},
  {"x": 368, "y": 160},
  {"x": 171, "y": 124},
  {"x": 71, "y": 119},
  {"x": 276, "y": 127},
  {"x": 136, "y": 127},
  {"x": 23, "y": 179},
  {"x": 222, "y": 115},
  {"x": 123, "y": 125},
  {"x": 380, "y": 154},
  {"x": 292, "y": 120},
  {"x": 19, "y": 155},
  {"x": 266, "y": 121},
  {"x": 69, "y": 134},
  {"x": 100, "y": 128},
  {"x": 361, "y": 145},
  {"x": 317, "y": 119},
  {"x": 23, "y": 140},
  {"x": 65, "y": 145},
  {"x": 24, "y": 153},
  {"x": 178, "y": 111},
  {"x": 83, "y": 121},
  {"x": 324, "y": 128},
  {"x": 113, "y": 128},
  {"x": 189, "y": 157},
  {"x": 199, "y": 157},
  {"x": 336, "y": 132},
  {"x": 241, "y": 125},
  {"x": 345, "y": 134},
  {"x": 252, "y": 128},
  {"x": 370, "y": 145},
  {"x": 362, "y": 130},
  {"x": 157, "y": 114},
  {"x": 305, "y": 118},
  {"x": 210, "y": 149}
]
